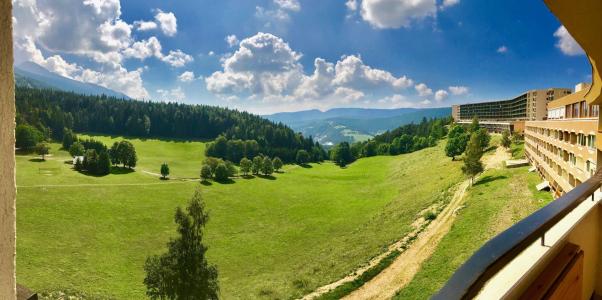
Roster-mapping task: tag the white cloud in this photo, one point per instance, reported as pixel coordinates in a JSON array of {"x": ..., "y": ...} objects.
[
  {"x": 566, "y": 43},
  {"x": 145, "y": 25},
  {"x": 145, "y": 48},
  {"x": 291, "y": 5},
  {"x": 177, "y": 58},
  {"x": 351, "y": 5},
  {"x": 278, "y": 14},
  {"x": 502, "y": 49},
  {"x": 167, "y": 22},
  {"x": 449, "y": 3},
  {"x": 423, "y": 90},
  {"x": 425, "y": 102},
  {"x": 396, "y": 13},
  {"x": 232, "y": 40},
  {"x": 265, "y": 68},
  {"x": 187, "y": 76},
  {"x": 176, "y": 94},
  {"x": 458, "y": 90},
  {"x": 211, "y": 53},
  {"x": 441, "y": 95}
]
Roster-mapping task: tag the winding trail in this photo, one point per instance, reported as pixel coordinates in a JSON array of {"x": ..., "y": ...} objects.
[{"x": 407, "y": 264}]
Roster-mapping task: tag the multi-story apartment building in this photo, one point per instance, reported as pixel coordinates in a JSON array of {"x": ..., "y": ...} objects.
[
  {"x": 563, "y": 147},
  {"x": 502, "y": 115}
]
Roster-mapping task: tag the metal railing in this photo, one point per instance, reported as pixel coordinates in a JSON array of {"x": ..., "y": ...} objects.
[{"x": 470, "y": 278}]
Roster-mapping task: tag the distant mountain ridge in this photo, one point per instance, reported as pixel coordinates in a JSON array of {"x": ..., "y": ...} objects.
[
  {"x": 353, "y": 124},
  {"x": 30, "y": 74}
]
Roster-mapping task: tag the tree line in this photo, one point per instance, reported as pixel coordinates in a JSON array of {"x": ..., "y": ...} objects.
[
  {"x": 404, "y": 139},
  {"x": 51, "y": 112}
]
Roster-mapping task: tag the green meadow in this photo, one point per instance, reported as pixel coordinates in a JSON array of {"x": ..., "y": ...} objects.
[{"x": 270, "y": 238}]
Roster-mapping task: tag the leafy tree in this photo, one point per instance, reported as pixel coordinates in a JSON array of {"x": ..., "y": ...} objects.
[
  {"x": 474, "y": 126},
  {"x": 68, "y": 138},
  {"x": 78, "y": 165},
  {"x": 506, "y": 139},
  {"x": 124, "y": 153},
  {"x": 212, "y": 162},
  {"x": 457, "y": 138},
  {"x": 76, "y": 149},
  {"x": 221, "y": 172},
  {"x": 370, "y": 149},
  {"x": 245, "y": 166},
  {"x": 183, "y": 272},
  {"x": 267, "y": 168},
  {"x": 206, "y": 172},
  {"x": 277, "y": 163},
  {"x": 104, "y": 164},
  {"x": 256, "y": 167},
  {"x": 302, "y": 157},
  {"x": 232, "y": 170},
  {"x": 27, "y": 137},
  {"x": 472, "y": 161},
  {"x": 484, "y": 138},
  {"x": 341, "y": 154},
  {"x": 164, "y": 170},
  {"x": 42, "y": 149}
]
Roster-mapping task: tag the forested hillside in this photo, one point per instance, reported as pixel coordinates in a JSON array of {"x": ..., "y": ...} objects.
[{"x": 52, "y": 111}]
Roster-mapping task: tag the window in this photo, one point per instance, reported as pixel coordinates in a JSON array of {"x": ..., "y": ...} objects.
[
  {"x": 581, "y": 139},
  {"x": 575, "y": 110},
  {"x": 594, "y": 111},
  {"x": 591, "y": 141},
  {"x": 584, "y": 109},
  {"x": 572, "y": 159}
]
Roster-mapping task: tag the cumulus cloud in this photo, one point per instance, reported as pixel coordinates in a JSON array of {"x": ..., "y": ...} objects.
[
  {"x": 566, "y": 43},
  {"x": 232, "y": 40},
  {"x": 167, "y": 22},
  {"x": 396, "y": 13},
  {"x": 176, "y": 94},
  {"x": 423, "y": 90},
  {"x": 441, "y": 95},
  {"x": 449, "y": 3},
  {"x": 145, "y": 25},
  {"x": 187, "y": 76},
  {"x": 97, "y": 36},
  {"x": 278, "y": 13},
  {"x": 264, "y": 67},
  {"x": 177, "y": 58},
  {"x": 458, "y": 90},
  {"x": 502, "y": 49},
  {"x": 351, "y": 5}
]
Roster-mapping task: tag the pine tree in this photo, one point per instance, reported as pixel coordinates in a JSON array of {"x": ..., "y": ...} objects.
[
  {"x": 256, "y": 167},
  {"x": 164, "y": 170},
  {"x": 472, "y": 160},
  {"x": 184, "y": 272},
  {"x": 506, "y": 139}
]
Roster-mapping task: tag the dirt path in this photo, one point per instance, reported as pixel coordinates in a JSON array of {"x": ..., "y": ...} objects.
[{"x": 407, "y": 264}]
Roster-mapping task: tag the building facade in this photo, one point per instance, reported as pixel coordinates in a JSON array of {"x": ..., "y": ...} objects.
[
  {"x": 563, "y": 147},
  {"x": 501, "y": 115}
]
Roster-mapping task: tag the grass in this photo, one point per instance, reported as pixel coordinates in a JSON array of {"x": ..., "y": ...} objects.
[
  {"x": 269, "y": 238},
  {"x": 498, "y": 199},
  {"x": 517, "y": 150}
]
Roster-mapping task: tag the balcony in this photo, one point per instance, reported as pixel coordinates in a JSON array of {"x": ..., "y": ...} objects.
[{"x": 554, "y": 253}]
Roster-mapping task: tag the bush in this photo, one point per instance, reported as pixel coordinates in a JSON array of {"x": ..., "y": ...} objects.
[
  {"x": 27, "y": 137},
  {"x": 221, "y": 172},
  {"x": 206, "y": 172}
]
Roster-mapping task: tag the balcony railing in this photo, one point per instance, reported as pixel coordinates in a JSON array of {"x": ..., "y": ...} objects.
[{"x": 498, "y": 252}]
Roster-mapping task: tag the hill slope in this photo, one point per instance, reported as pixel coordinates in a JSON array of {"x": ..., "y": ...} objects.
[
  {"x": 29, "y": 74},
  {"x": 353, "y": 124}
]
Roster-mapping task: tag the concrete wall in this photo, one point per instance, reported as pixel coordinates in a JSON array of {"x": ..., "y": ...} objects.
[{"x": 7, "y": 156}]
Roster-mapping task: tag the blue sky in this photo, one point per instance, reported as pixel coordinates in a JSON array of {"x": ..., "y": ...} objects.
[{"x": 284, "y": 55}]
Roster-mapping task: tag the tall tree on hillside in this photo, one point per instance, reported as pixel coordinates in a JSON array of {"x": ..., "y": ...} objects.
[
  {"x": 256, "y": 166},
  {"x": 184, "y": 272},
  {"x": 42, "y": 149},
  {"x": 484, "y": 138},
  {"x": 267, "y": 168},
  {"x": 474, "y": 126},
  {"x": 76, "y": 149},
  {"x": 277, "y": 162},
  {"x": 68, "y": 138},
  {"x": 506, "y": 139},
  {"x": 221, "y": 172},
  {"x": 245, "y": 166},
  {"x": 341, "y": 154},
  {"x": 302, "y": 157},
  {"x": 472, "y": 161},
  {"x": 205, "y": 172},
  {"x": 164, "y": 170},
  {"x": 104, "y": 164},
  {"x": 457, "y": 138},
  {"x": 27, "y": 137}
]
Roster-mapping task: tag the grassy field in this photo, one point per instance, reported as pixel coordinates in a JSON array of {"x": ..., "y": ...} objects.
[
  {"x": 498, "y": 199},
  {"x": 269, "y": 238}
]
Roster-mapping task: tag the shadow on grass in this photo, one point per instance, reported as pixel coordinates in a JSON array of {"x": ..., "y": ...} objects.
[
  {"x": 268, "y": 177},
  {"x": 489, "y": 178},
  {"x": 121, "y": 171},
  {"x": 491, "y": 148},
  {"x": 164, "y": 178},
  {"x": 206, "y": 182},
  {"x": 307, "y": 166},
  {"x": 225, "y": 181},
  {"x": 248, "y": 176},
  {"x": 37, "y": 160}
]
